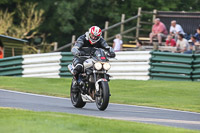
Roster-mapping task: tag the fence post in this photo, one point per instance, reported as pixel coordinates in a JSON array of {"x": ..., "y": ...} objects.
[
  {"x": 122, "y": 25},
  {"x": 154, "y": 15},
  {"x": 73, "y": 40},
  {"x": 106, "y": 32},
  {"x": 138, "y": 23},
  {"x": 55, "y": 46},
  {"x": 13, "y": 51}
]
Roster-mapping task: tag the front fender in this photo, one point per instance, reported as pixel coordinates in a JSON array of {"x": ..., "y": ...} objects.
[{"x": 98, "y": 81}]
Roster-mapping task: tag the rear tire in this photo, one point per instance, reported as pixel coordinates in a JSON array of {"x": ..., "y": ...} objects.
[
  {"x": 103, "y": 100},
  {"x": 76, "y": 99}
]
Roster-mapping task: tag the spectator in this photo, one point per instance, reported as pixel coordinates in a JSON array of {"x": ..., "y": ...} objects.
[
  {"x": 170, "y": 41},
  {"x": 192, "y": 43},
  {"x": 195, "y": 44},
  {"x": 197, "y": 35},
  {"x": 182, "y": 45},
  {"x": 1, "y": 50},
  {"x": 197, "y": 48},
  {"x": 176, "y": 29},
  {"x": 193, "y": 40},
  {"x": 117, "y": 43},
  {"x": 139, "y": 46},
  {"x": 158, "y": 30}
]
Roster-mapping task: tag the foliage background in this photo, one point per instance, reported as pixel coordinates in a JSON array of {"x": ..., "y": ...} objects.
[{"x": 63, "y": 18}]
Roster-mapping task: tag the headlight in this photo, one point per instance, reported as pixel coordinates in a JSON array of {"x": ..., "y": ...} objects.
[
  {"x": 106, "y": 66},
  {"x": 98, "y": 65}
]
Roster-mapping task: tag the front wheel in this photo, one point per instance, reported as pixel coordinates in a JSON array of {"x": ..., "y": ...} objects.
[
  {"x": 76, "y": 98},
  {"x": 104, "y": 94}
]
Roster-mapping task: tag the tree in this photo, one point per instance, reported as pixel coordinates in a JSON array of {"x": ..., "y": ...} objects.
[
  {"x": 30, "y": 19},
  {"x": 6, "y": 21},
  {"x": 63, "y": 18}
]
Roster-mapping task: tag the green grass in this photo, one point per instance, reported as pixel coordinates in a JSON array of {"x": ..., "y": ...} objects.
[
  {"x": 179, "y": 95},
  {"x": 22, "y": 121},
  {"x": 165, "y": 94}
]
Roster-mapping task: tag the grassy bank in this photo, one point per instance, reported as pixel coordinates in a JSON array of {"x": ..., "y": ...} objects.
[
  {"x": 166, "y": 94},
  {"x": 22, "y": 121}
]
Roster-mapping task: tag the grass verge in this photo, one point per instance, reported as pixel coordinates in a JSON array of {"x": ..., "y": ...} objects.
[
  {"x": 165, "y": 94},
  {"x": 22, "y": 121}
]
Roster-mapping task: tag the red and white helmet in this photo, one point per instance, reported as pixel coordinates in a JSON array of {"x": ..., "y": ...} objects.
[{"x": 94, "y": 34}]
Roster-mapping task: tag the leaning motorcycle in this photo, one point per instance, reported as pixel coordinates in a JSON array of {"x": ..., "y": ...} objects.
[{"x": 93, "y": 81}]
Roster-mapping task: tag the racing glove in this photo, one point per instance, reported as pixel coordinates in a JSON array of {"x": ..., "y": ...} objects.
[{"x": 111, "y": 53}]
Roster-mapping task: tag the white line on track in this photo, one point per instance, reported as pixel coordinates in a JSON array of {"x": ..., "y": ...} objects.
[
  {"x": 32, "y": 94},
  {"x": 25, "y": 93}
]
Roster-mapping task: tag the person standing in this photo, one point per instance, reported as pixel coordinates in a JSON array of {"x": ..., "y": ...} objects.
[{"x": 117, "y": 43}]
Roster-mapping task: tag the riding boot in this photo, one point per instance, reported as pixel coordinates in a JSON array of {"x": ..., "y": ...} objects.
[{"x": 75, "y": 84}]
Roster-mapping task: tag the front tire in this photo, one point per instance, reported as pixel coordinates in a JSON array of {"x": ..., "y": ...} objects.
[
  {"x": 103, "y": 100},
  {"x": 76, "y": 99}
]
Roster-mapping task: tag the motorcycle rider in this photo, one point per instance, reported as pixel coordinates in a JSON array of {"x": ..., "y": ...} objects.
[{"x": 83, "y": 46}]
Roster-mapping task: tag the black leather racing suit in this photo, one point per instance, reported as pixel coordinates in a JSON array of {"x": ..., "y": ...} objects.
[{"x": 83, "y": 47}]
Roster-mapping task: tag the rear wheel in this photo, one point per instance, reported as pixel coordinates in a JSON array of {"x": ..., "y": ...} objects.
[
  {"x": 104, "y": 94},
  {"x": 76, "y": 98}
]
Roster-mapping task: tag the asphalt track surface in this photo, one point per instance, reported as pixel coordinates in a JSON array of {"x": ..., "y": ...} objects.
[{"x": 167, "y": 117}]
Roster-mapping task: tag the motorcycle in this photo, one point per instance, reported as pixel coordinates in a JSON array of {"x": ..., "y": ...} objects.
[{"x": 93, "y": 81}]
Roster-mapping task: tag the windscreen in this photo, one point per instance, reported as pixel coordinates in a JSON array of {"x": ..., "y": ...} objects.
[{"x": 100, "y": 55}]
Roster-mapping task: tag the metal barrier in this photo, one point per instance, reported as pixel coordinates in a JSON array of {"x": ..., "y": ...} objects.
[
  {"x": 171, "y": 57},
  {"x": 11, "y": 66},
  {"x": 196, "y": 68},
  {"x": 65, "y": 61},
  {"x": 174, "y": 66},
  {"x": 41, "y": 65},
  {"x": 128, "y": 65}
]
